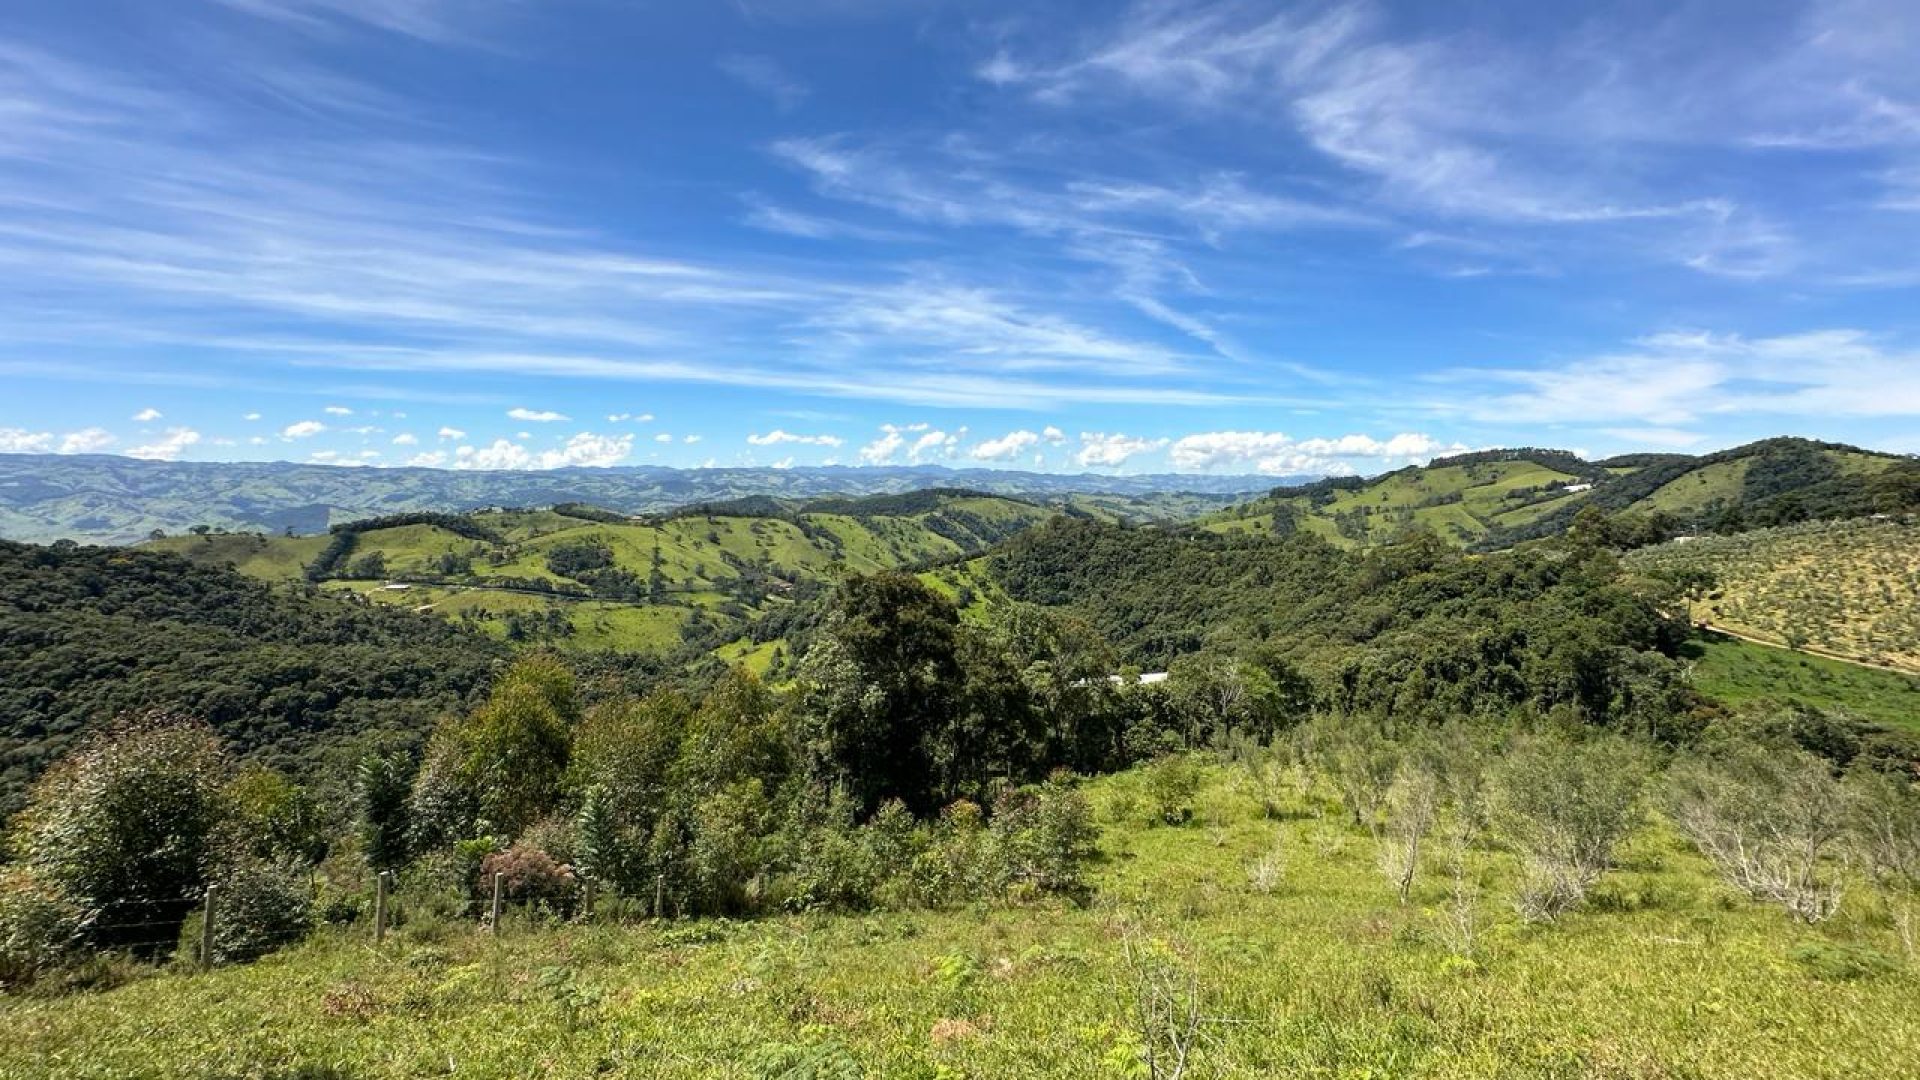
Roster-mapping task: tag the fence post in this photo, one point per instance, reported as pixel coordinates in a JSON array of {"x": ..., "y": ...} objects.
[
  {"x": 206, "y": 930},
  {"x": 586, "y": 900},
  {"x": 659, "y": 894},
  {"x": 380, "y": 907},
  {"x": 498, "y": 878}
]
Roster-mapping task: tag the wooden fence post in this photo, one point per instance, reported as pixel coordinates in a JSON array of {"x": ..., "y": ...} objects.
[
  {"x": 206, "y": 930},
  {"x": 498, "y": 879},
  {"x": 380, "y": 907},
  {"x": 659, "y": 894}
]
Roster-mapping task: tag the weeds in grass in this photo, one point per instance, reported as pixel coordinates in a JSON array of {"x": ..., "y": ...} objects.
[
  {"x": 1266, "y": 873},
  {"x": 1412, "y": 803},
  {"x": 1166, "y": 1005}
]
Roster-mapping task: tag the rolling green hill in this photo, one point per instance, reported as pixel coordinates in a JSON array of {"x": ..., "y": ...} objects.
[
  {"x": 1497, "y": 498},
  {"x": 1461, "y": 499},
  {"x": 589, "y": 579}
]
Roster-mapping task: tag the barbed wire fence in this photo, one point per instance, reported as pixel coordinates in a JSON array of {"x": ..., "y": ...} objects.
[{"x": 199, "y": 929}]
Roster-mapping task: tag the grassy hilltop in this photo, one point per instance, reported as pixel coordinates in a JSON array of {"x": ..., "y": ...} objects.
[{"x": 1497, "y": 498}]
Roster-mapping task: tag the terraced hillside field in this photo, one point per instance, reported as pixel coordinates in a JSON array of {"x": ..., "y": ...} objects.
[
  {"x": 1851, "y": 589},
  {"x": 584, "y": 578}
]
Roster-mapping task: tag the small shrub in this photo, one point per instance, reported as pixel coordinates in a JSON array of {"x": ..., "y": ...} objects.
[
  {"x": 1767, "y": 817},
  {"x": 259, "y": 906},
  {"x": 1266, "y": 873},
  {"x": 1565, "y": 806},
  {"x": 131, "y": 820},
  {"x": 1171, "y": 784},
  {"x": 1885, "y": 825},
  {"x": 959, "y": 863},
  {"x": 528, "y": 875},
  {"x": 1044, "y": 837},
  {"x": 1412, "y": 803}
]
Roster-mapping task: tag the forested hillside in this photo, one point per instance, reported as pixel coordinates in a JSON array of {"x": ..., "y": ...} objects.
[
  {"x": 1412, "y": 631},
  {"x": 284, "y": 673},
  {"x": 1498, "y": 498}
]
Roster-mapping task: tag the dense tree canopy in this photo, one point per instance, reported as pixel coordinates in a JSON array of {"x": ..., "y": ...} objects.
[{"x": 285, "y": 674}]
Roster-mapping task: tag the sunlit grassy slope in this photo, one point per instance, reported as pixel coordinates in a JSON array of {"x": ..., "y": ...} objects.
[
  {"x": 1737, "y": 672},
  {"x": 1462, "y": 503},
  {"x": 1666, "y": 974}
]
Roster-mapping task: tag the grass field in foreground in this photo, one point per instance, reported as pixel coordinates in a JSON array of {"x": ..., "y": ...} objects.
[
  {"x": 1666, "y": 974},
  {"x": 1737, "y": 672}
]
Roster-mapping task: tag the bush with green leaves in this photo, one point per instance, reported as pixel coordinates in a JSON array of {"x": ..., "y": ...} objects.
[
  {"x": 1045, "y": 836},
  {"x": 259, "y": 906},
  {"x": 40, "y": 927},
  {"x": 958, "y": 862},
  {"x": 130, "y": 826},
  {"x": 1565, "y": 806},
  {"x": 1171, "y": 784}
]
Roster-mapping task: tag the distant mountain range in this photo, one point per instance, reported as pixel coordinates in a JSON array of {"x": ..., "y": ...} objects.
[{"x": 108, "y": 499}]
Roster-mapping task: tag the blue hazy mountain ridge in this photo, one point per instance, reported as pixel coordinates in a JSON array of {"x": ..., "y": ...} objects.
[{"x": 110, "y": 499}]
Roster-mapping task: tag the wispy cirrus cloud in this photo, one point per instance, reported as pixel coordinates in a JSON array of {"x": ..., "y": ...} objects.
[
  {"x": 1666, "y": 381},
  {"x": 1452, "y": 126},
  {"x": 765, "y": 75},
  {"x": 204, "y": 234}
]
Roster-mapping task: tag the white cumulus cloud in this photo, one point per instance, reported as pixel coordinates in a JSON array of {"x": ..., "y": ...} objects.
[
  {"x": 337, "y": 410},
  {"x": 881, "y": 450},
  {"x": 452, "y": 433},
  {"x": 302, "y": 429},
  {"x": 86, "y": 441},
  {"x": 168, "y": 446},
  {"x": 17, "y": 441},
  {"x": 777, "y": 436},
  {"x": 535, "y": 416},
  {"x": 146, "y": 415},
  {"x": 406, "y": 438},
  {"x": 1005, "y": 447},
  {"x": 1275, "y": 452},
  {"x": 1111, "y": 450},
  {"x": 584, "y": 450}
]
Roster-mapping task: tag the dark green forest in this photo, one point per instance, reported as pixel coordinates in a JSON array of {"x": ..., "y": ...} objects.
[{"x": 285, "y": 675}]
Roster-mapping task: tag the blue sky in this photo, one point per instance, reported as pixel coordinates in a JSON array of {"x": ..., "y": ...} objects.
[{"x": 1226, "y": 237}]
